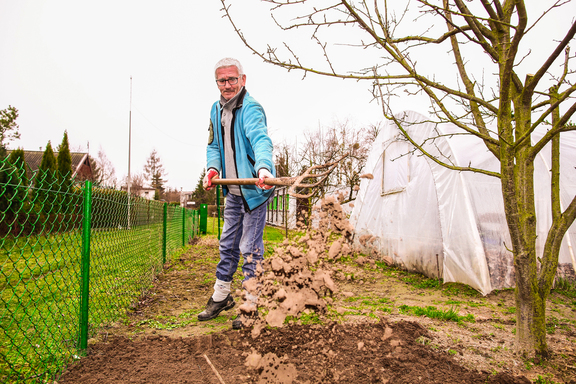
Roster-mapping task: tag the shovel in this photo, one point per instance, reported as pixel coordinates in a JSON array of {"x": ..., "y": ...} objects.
[{"x": 292, "y": 182}]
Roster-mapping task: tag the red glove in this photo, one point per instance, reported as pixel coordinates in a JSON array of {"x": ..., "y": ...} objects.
[
  {"x": 263, "y": 173},
  {"x": 207, "y": 182}
]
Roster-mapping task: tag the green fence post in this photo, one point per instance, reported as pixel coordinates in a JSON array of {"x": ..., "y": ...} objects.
[
  {"x": 203, "y": 218},
  {"x": 218, "y": 208},
  {"x": 286, "y": 206},
  {"x": 85, "y": 267},
  {"x": 164, "y": 232},
  {"x": 196, "y": 222},
  {"x": 183, "y": 227}
]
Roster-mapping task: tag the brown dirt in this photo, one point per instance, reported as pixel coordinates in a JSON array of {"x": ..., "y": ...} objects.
[{"x": 364, "y": 337}]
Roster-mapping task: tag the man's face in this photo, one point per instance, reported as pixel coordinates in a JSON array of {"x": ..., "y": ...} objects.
[{"x": 227, "y": 90}]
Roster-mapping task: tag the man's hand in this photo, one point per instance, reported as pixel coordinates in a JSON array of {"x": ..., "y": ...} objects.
[
  {"x": 207, "y": 182},
  {"x": 264, "y": 174}
]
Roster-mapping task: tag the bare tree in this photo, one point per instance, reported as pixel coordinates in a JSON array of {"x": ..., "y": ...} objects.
[
  {"x": 106, "y": 171},
  {"x": 137, "y": 183},
  {"x": 476, "y": 65},
  {"x": 357, "y": 143},
  {"x": 325, "y": 145},
  {"x": 318, "y": 148},
  {"x": 171, "y": 195},
  {"x": 286, "y": 160},
  {"x": 329, "y": 143}
]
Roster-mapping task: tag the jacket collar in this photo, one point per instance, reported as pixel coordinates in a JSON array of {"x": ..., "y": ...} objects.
[{"x": 237, "y": 100}]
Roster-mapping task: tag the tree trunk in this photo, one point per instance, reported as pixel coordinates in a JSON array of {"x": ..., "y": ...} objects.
[
  {"x": 530, "y": 308},
  {"x": 517, "y": 170}
]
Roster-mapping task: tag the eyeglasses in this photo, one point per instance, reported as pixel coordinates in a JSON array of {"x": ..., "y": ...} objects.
[{"x": 230, "y": 80}]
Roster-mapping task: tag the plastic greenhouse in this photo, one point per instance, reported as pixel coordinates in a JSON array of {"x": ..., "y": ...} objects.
[{"x": 443, "y": 223}]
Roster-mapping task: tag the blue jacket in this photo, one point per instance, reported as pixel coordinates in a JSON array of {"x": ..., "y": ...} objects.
[{"x": 251, "y": 143}]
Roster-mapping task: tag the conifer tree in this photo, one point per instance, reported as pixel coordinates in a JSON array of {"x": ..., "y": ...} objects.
[
  {"x": 200, "y": 195},
  {"x": 154, "y": 172},
  {"x": 46, "y": 181},
  {"x": 19, "y": 177},
  {"x": 14, "y": 180},
  {"x": 5, "y": 167},
  {"x": 18, "y": 160},
  {"x": 64, "y": 162},
  {"x": 64, "y": 159}
]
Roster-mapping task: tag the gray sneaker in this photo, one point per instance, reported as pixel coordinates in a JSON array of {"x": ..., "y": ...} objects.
[{"x": 213, "y": 308}]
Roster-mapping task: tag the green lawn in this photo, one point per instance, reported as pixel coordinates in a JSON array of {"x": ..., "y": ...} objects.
[
  {"x": 40, "y": 291},
  {"x": 271, "y": 234}
]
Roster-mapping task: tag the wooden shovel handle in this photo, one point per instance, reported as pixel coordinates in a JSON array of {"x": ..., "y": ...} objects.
[{"x": 279, "y": 181}]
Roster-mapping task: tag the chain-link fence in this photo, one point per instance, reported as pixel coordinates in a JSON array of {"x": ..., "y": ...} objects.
[{"x": 73, "y": 258}]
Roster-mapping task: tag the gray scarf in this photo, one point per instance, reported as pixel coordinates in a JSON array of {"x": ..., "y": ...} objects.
[{"x": 229, "y": 160}]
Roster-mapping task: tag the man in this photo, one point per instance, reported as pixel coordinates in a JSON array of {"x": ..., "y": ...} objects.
[{"x": 238, "y": 147}]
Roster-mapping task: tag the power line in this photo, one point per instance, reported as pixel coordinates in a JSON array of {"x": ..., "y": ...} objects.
[{"x": 164, "y": 131}]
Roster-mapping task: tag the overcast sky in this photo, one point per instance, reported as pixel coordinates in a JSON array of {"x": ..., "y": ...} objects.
[{"x": 66, "y": 66}]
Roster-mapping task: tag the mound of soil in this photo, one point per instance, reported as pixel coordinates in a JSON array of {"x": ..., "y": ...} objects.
[{"x": 338, "y": 353}]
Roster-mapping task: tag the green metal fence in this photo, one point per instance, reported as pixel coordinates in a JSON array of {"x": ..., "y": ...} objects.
[{"x": 73, "y": 258}]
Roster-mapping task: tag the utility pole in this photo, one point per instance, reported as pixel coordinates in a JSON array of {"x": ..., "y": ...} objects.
[{"x": 129, "y": 150}]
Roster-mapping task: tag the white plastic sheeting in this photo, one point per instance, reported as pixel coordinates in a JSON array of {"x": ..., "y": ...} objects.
[{"x": 440, "y": 222}]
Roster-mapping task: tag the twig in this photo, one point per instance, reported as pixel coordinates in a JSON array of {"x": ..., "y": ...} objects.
[{"x": 214, "y": 369}]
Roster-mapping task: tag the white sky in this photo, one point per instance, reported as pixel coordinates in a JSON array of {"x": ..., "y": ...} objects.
[{"x": 66, "y": 65}]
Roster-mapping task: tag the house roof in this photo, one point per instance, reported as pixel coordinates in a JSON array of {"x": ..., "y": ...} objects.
[{"x": 34, "y": 159}]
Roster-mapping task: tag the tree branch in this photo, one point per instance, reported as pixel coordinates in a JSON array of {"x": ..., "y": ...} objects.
[
  {"x": 434, "y": 158},
  {"x": 529, "y": 88},
  {"x": 493, "y": 147}
]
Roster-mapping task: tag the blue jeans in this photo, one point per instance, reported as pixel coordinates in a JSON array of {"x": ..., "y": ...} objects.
[{"x": 242, "y": 234}]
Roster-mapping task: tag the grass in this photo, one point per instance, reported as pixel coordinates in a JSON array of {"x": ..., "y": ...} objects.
[
  {"x": 305, "y": 318},
  {"x": 553, "y": 323},
  {"x": 510, "y": 310},
  {"x": 385, "y": 269},
  {"x": 547, "y": 379},
  {"x": 434, "y": 313},
  {"x": 566, "y": 288},
  {"x": 180, "y": 321},
  {"x": 272, "y": 234},
  {"x": 421, "y": 282},
  {"x": 40, "y": 291},
  {"x": 455, "y": 289},
  {"x": 358, "y": 304}
]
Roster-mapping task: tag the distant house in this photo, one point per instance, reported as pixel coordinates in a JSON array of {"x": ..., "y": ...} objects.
[
  {"x": 147, "y": 193},
  {"x": 186, "y": 199},
  {"x": 81, "y": 164}
]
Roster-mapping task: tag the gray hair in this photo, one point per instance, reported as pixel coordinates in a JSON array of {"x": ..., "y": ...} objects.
[{"x": 229, "y": 62}]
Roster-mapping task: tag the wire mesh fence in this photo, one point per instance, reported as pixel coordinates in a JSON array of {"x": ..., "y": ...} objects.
[{"x": 73, "y": 258}]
